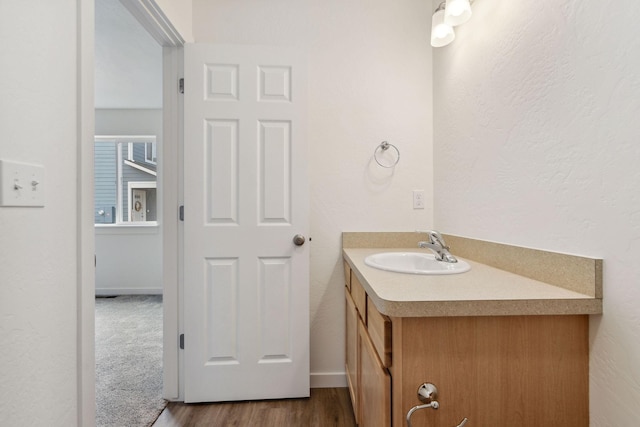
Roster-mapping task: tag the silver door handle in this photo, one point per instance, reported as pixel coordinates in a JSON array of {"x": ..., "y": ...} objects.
[{"x": 299, "y": 240}]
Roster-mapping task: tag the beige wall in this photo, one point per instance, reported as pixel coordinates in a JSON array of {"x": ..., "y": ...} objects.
[
  {"x": 179, "y": 13},
  {"x": 536, "y": 144},
  {"x": 369, "y": 80}
]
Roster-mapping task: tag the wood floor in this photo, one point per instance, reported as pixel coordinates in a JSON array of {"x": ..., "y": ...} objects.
[{"x": 326, "y": 407}]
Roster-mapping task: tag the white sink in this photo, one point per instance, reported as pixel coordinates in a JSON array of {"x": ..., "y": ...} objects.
[{"x": 414, "y": 263}]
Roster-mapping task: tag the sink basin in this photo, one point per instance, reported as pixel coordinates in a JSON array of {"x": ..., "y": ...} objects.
[{"x": 414, "y": 263}]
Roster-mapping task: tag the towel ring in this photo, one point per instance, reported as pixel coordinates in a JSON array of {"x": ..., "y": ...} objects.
[{"x": 384, "y": 146}]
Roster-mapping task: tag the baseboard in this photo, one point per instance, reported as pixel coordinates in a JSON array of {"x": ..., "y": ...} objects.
[
  {"x": 328, "y": 380},
  {"x": 128, "y": 291}
]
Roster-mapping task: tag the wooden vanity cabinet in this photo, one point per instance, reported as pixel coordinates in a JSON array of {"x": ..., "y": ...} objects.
[{"x": 497, "y": 371}]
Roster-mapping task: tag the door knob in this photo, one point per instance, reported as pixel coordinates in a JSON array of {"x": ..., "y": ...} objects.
[{"x": 298, "y": 240}]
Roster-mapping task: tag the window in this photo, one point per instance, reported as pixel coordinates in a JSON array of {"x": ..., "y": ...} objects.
[
  {"x": 125, "y": 180},
  {"x": 150, "y": 152}
]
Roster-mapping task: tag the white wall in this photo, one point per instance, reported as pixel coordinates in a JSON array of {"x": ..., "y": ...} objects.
[
  {"x": 129, "y": 259},
  {"x": 129, "y": 121},
  {"x": 369, "y": 80},
  {"x": 128, "y": 101},
  {"x": 39, "y": 246},
  {"x": 179, "y": 13},
  {"x": 537, "y": 108},
  {"x": 128, "y": 61}
]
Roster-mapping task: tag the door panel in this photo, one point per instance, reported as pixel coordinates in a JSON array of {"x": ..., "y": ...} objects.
[
  {"x": 222, "y": 310},
  {"x": 245, "y": 284},
  {"x": 275, "y": 172},
  {"x": 275, "y": 302},
  {"x": 222, "y": 171}
]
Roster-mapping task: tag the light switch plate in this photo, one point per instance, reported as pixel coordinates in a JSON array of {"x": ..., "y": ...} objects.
[
  {"x": 21, "y": 184},
  {"x": 418, "y": 199}
]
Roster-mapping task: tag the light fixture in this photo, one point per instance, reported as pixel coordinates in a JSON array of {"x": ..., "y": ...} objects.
[
  {"x": 457, "y": 12},
  {"x": 449, "y": 14},
  {"x": 441, "y": 33}
]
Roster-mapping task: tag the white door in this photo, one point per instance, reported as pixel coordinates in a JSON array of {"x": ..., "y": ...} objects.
[
  {"x": 138, "y": 206},
  {"x": 246, "y": 284}
]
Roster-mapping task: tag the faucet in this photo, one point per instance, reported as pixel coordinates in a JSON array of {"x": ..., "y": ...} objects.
[{"x": 437, "y": 245}]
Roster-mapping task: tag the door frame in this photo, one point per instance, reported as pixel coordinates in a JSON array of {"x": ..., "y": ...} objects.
[
  {"x": 149, "y": 14},
  {"x": 86, "y": 288},
  {"x": 151, "y": 17},
  {"x": 172, "y": 197}
]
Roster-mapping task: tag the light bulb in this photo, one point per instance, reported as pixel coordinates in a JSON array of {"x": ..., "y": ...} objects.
[
  {"x": 441, "y": 33},
  {"x": 457, "y": 12}
]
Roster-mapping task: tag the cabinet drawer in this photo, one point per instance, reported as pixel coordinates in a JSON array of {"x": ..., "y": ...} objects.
[
  {"x": 359, "y": 297},
  {"x": 379, "y": 327},
  {"x": 347, "y": 275}
]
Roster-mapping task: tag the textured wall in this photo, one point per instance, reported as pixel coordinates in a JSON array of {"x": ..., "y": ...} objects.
[
  {"x": 369, "y": 80},
  {"x": 38, "y": 246},
  {"x": 536, "y": 108}
]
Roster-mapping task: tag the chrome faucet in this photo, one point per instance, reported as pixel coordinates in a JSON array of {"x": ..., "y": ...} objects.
[{"x": 437, "y": 245}]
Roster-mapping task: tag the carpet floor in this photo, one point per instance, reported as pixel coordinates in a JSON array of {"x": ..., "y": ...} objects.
[{"x": 128, "y": 360}]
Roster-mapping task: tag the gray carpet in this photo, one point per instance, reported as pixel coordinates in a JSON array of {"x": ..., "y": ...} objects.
[{"x": 128, "y": 360}]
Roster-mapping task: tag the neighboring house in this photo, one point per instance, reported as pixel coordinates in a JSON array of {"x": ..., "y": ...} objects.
[{"x": 125, "y": 180}]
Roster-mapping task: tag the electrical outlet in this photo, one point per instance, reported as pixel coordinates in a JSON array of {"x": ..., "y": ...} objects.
[
  {"x": 418, "y": 199},
  {"x": 21, "y": 184}
]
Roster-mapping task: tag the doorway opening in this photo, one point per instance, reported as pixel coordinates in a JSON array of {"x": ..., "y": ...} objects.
[{"x": 129, "y": 123}]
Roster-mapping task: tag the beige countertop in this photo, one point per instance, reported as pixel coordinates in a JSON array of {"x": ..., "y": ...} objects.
[{"x": 482, "y": 291}]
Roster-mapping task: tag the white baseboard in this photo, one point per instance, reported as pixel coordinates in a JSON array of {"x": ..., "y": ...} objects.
[
  {"x": 128, "y": 291},
  {"x": 328, "y": 379}
]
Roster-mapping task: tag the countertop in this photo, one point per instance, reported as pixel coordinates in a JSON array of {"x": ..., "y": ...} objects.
[{"x": 482, "y": 291}]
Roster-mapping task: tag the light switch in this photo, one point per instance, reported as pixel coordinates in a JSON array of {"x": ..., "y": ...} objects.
[{"x": 21, "y": 184}]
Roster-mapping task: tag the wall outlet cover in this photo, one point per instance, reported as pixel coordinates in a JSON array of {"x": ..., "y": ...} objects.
[{"x": 418, "y": 199}]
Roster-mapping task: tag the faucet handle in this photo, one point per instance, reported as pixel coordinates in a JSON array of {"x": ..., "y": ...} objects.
[
  {"x": 435, "y": 237},
  {"x": 438, "y": 237}
]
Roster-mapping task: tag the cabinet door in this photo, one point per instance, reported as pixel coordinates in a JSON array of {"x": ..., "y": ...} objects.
[
  {"x": 375, "y": 385},
  {"x": 351, "y": 347},
  {"x": 499, "y": 371}
]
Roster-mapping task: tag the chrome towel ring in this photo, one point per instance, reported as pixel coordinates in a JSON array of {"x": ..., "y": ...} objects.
[{"x": 381, "y": 149}]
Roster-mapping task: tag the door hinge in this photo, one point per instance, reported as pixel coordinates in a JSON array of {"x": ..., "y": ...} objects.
[
  {"x": 181, "y": 341},
  {"x": 181, "y": 85},
  {"x": 181, "y": 213}
]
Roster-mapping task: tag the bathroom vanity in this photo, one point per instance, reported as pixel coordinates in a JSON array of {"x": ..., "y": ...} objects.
[{"x": 505, "y": 344}]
